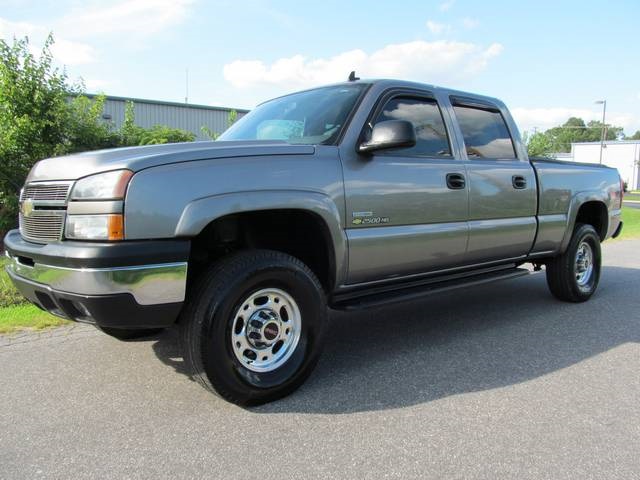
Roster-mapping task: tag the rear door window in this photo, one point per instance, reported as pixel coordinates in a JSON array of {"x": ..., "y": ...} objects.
[{"x": 485, "y": 133}]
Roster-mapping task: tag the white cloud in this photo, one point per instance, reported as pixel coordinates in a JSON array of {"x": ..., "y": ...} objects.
[
  {"x": 470, "y": 23},
  {"x": 75, "y": 30},
  {"x": 438, "y": 28},
  {"x": 95, "y": 84},
  {"x": 139, "y": 17},
  {"x": 72, "y": 53},
  {"x": 444, "y": 6},
  {"x": 65, "y": 51},
  {"x": 529, "y": 119},
  {"x": 433, "y": 62}
]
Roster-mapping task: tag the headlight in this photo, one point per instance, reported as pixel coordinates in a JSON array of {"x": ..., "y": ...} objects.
[
  {"x": 103, "y": 186},
  {"x": 95, "y": 209},
  {"x": 95, "y": 227}
]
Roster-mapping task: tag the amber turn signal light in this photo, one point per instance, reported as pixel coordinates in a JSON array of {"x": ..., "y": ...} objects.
[{"x": 115, "y": 226}]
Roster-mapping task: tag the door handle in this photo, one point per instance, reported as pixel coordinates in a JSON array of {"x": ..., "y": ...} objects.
[
  {"x": 519, "y": 182},
  {"x": 455, "y": 181}
]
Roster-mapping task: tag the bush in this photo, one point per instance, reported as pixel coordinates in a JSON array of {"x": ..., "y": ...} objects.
[
  {"x": 33, "y": 117},
  {"x": 86, "y": 129},
  {"x": 9, "y": 296},
  {"x": 132, "y": 134},
  {"x": 37, "y": 120}
]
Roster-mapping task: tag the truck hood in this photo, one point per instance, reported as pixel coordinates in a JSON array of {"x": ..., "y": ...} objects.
[{"x": 72, "y": 167}]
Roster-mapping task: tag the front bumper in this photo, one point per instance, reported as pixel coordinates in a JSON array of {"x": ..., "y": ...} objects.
[{"x": 138, "y": 284}]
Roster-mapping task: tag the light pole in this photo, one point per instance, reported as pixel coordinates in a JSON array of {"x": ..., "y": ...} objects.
[{"x": 604, "y": 127}]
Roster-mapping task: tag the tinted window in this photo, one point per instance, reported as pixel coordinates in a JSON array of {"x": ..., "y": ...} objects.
[
  {"x": 485, "y": 133},
  {"x": 311, "y": 117},
  {"x": 431, "y": 136}
]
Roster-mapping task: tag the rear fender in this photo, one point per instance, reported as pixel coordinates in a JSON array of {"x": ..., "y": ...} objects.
[{"x": 576, "y": 202}]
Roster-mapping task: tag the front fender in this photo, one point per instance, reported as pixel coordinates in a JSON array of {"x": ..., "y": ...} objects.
[{"x": 199, "y": 213}]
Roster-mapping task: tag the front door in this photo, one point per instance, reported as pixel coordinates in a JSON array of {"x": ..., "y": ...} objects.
[{"x": 406, "y": 208}]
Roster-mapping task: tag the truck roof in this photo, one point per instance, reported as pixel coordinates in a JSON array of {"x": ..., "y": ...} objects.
[{"x": 386, "y": 83}]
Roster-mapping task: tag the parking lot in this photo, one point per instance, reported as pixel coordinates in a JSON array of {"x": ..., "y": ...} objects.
[{"x": 492, "y": 382}]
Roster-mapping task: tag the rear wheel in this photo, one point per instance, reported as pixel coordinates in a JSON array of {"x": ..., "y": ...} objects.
[
  {"x": 254, "y": 328},
  {"x": 574, "y": 275}
]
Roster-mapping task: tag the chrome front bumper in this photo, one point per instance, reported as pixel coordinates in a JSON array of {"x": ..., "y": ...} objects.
[{"x": 148, "y": 284}]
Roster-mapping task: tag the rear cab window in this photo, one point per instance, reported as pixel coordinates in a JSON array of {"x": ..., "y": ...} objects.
[{"x": 484, "y": 131}]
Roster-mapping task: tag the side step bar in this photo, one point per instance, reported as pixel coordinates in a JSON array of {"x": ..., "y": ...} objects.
[{"x": 369, "y": 299}]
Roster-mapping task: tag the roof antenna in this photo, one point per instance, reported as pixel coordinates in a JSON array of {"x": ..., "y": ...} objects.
[{"x": 352, "y": 76}]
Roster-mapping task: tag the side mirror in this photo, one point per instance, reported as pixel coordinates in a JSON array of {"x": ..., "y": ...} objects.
[{"x": 390, "y": 134}]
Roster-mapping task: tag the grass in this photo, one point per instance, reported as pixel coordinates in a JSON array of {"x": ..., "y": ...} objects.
[
  {"x": 632, "y": 196},
  {"x": 16, "y": 313},
  {"x": 26, "y": 317},
  {"x": 631, "y": 219}
]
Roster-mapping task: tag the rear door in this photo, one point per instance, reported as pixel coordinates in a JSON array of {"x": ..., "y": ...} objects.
[
  {"x": 502, "y": 187},
  {"x": 406, "y": 208}
]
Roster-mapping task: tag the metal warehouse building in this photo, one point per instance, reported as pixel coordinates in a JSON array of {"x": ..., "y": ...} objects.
[{"x": 186, "y": 116}]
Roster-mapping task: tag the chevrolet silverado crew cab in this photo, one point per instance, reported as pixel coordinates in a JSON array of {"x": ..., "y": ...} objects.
[{"x": 347, "y": 196}]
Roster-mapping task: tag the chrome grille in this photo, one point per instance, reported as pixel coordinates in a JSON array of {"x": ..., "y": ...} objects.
[
  {"x": 49, "y": 192},
  {"x": 43, "y": 211},
  {"x": 42, "y": 226}
]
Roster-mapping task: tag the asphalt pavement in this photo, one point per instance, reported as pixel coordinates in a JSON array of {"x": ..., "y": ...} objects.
[
  {"x": 498, "y": 381},
  {"x": 634, "y": 204}
]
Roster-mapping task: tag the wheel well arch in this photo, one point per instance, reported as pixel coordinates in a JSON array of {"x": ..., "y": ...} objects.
[
  {"x": 594, "y": 213},
  {"x": 297, "y": 232}
]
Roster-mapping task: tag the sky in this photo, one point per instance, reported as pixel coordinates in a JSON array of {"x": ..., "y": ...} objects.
[{"x": 547, "y": 60}]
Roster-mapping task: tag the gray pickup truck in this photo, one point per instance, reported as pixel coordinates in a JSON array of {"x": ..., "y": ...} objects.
[{"x": 342, "y": 197}]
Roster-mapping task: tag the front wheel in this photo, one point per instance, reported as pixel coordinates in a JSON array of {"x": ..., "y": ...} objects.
[
  {"x": 574, "y": 275},
  {"x": 254, "y": 327}
]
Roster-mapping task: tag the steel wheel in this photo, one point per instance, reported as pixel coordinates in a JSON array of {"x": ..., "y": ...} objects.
[
  {"x": 573, "y": 276},
  {"x": 584, "y": 264},
  {"x": 266, "y": 330},
  {"x": 242, "y": 329}
]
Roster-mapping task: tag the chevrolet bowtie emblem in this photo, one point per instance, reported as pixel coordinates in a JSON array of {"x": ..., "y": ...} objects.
[{"x": 27, "y": 208}]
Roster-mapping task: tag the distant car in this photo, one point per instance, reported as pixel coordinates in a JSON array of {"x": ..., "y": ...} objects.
[{"x": 347, "y": 196}]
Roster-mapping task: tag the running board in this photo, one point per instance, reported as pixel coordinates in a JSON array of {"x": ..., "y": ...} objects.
[{"x": 369, "y": 299}]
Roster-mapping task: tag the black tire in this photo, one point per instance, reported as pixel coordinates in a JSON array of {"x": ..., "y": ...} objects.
[
  {"x": 211, "y": 314},
  {"x": 563, "y": 270},
  {"x": 129, "y": 334}
]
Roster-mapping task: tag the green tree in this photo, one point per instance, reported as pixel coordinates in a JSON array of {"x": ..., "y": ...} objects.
[
  {"x": 538, "y": 144},
  {"x": 232, "y": 117},
  {"x": 576, "y": 130},
  {"x": 635, "y": 136},
  {"x": 42, "y": 115},
  {"x": 132, "y": 134},
  {"x": 162, "y": 134},
  {"x": 33, "y": 117},
  {"x": 595, "y": 131},
  {"x": 86, "y": 129}
]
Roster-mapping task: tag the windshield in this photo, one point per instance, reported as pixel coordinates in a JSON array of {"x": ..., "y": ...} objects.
[{"x": 306, "y": 118}]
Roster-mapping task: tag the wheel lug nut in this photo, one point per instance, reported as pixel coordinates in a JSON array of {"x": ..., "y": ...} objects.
[
  {"x": 256, "y": 324},
  {"x": 255, "y": 335}
]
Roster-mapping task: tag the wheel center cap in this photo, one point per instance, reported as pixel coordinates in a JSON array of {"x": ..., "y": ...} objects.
[
  {"x": 263, "y": 328},
  {"x": 271, "y": 331}
]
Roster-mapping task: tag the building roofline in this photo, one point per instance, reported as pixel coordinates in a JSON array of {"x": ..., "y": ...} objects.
[
  {"x": 609, "y": 142},
  {"x": 166, "y": 103}
]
